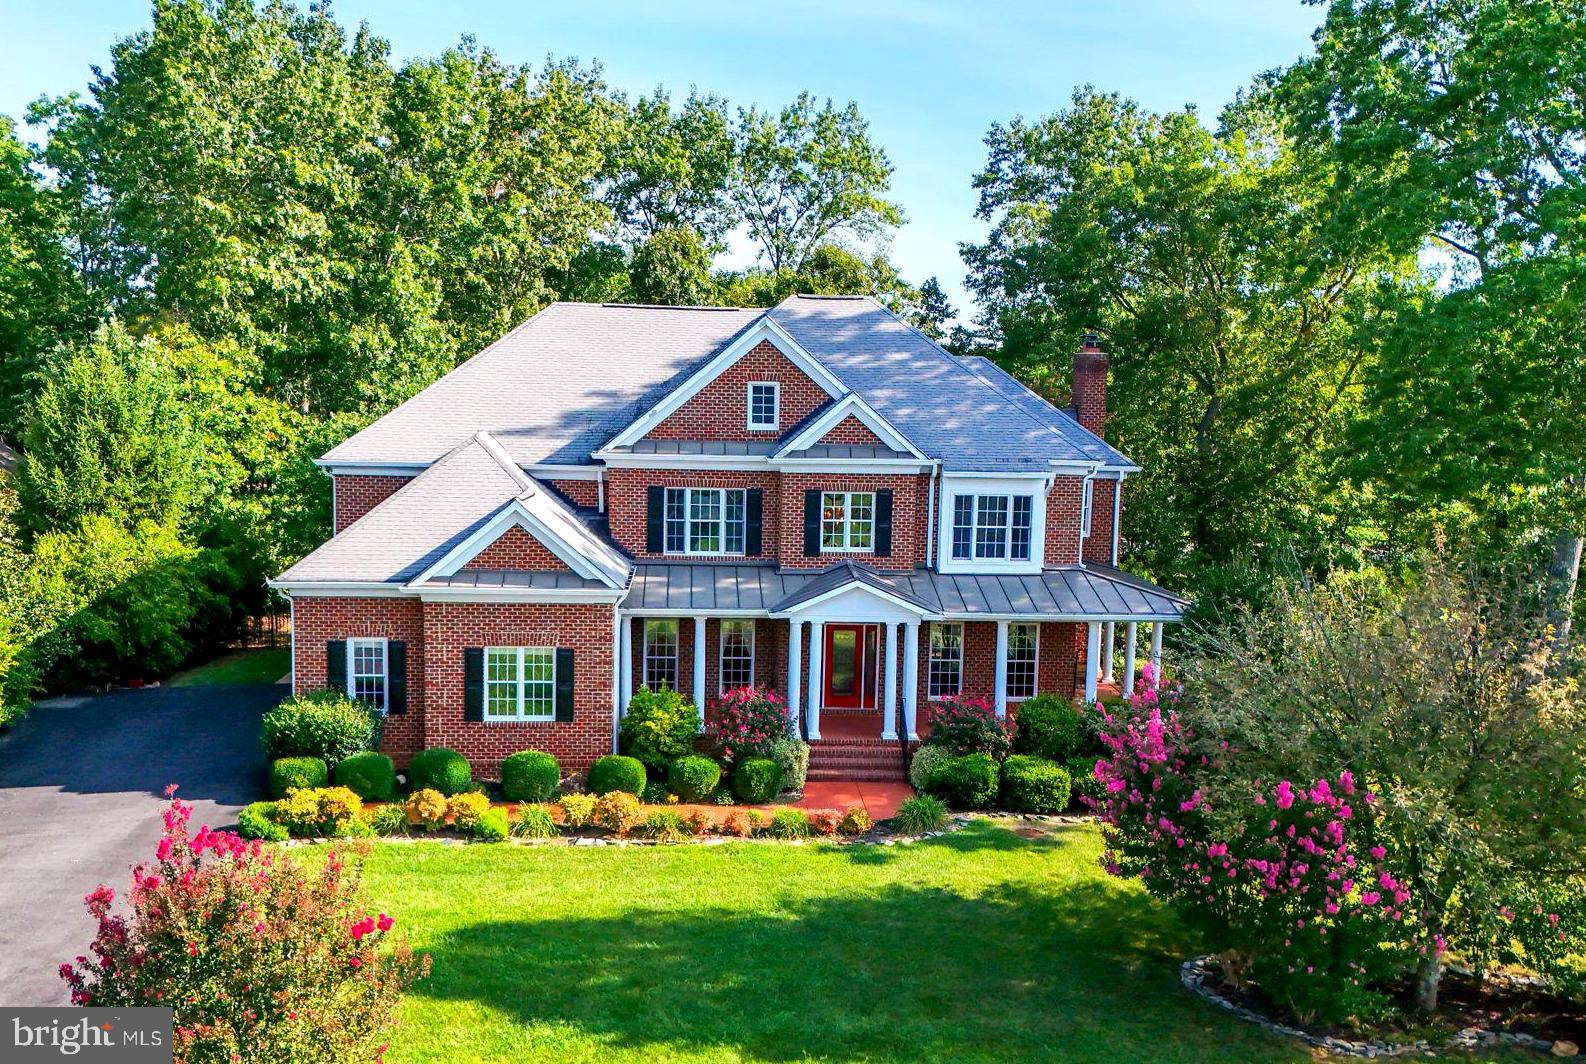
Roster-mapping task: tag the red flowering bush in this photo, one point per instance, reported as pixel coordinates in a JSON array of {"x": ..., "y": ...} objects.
[
  {"x": 970, "y": 726},
  {"x": 749, "y": 721},
  {"x": 258, "y": 957}
]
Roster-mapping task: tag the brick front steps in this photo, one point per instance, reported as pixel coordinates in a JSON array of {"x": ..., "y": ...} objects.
[{"x": 869, "y": 760}]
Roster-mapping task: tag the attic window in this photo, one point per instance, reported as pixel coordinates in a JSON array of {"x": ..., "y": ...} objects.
[{"x": 764, "y": 402}]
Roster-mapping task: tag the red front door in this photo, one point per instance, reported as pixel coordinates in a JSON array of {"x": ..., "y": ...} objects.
[{"x": 851, "y": 661}]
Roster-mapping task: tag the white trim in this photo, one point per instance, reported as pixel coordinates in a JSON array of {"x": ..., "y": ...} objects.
[
  {"x": 762, "y": 463},
  {"x": 619, "y": 661},
  {"x": 1020, "y": 474},
  {"x": 749, "y": 423},
  {"x": 1035, "y": 676},
  {"x": 763, "y": 329},
  {"x": 721, "y": 650},
  {"x": 442, "y": 593},
  {"x": 853, "y": 406},
  {"x": 851, "y": 466},
  {"x": 513, "y": 514},
  {"x": 930, "y": 645},
  {"x": 848, "y": 523},
  {"x": 337, "y": 588},
  {"x": 520, "y": 717},
  {"x": 385, "y": 669},
  {"x": 974, "y": 487},
  {"x": 372, "y": 469},
  {"x": 855, "y": 585},
  {"x": 564, "y": 472},
  {"x": 688, "y": 523},
  {"x": 1117, "y": 516}
]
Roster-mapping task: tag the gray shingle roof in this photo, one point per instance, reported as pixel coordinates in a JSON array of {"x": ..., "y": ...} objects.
[
  {"x": 567, "y": 380},
  {"x": 1095, "y": 592}
]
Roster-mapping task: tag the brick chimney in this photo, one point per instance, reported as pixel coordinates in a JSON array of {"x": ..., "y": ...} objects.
[{"x": 1090, "y": 384}]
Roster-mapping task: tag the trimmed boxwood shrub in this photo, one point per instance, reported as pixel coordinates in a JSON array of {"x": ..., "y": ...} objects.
[
  {"x": 968, "y": 782},
  {"x": 439, "y": 769},
  {"x": 325, "y": 724},
  {"x": 693, "y": 778},
  {"x": 1048, "y": 727},
  {"x": 1034, "y": 785},
  {"x": 925, "y": 759},
  {"x": 291, "y": 773},
  {"x": 757, "y": 779},
  {"x": 529, "y": 776},
  {"x": 616, "y": 772},
  {"x": 257, "y": 821},
  {"x": 369, "y": 775}
]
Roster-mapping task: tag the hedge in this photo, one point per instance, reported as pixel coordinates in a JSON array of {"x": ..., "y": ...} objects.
[
  {"x": 1048, "y": 727},
  {"x": 757, "y": 779},
  {"x": 1034, "y": 785},
  {"x": 968, "y": 782}
]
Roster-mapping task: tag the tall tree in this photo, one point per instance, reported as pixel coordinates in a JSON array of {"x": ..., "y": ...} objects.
[
  {"x": 1460, "y": 126},
  {"x": 1196, "y": 254},
  {"x": 807, "y": 175},
  {"x": 671, "y": 169}
]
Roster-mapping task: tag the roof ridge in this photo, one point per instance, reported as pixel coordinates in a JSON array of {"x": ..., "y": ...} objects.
[{"x": 492, "y": 447}]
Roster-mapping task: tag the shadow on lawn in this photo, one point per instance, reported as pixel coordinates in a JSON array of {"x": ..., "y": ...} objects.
[{"x": 1019, "y": 970}]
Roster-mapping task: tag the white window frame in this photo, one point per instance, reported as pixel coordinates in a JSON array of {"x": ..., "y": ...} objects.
[
  {"x": 977, "y": 525},
  {"x": 520, "y": 685},
  {"x": 676, "y": 656},
  {"x": 385, "y": 670},
  {"x": 722, "y": 686},
  {"x": 932, "y": 692},
  {"x": 1035, "y": 662},
  {"x": 848, "y": 523},
  {"x": 776, "y": 406},
  {"x": 1087, "y": 500},
  {"x": 722, "y": 522},
  {"x": 1034, "y": 488}
]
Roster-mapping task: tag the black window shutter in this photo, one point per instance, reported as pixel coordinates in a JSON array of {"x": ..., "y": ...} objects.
[
  {"x": 812, "y": 523},
  {"x": 564, "y": 683},
  {"x": 474, "y": 684},
  {"x": 396, "y": 677},
  {"x": 884, "y": 523},
  {"x": 336, "y": 665},
  {"x": 753, "y": 510},
  {"x": 655, "y": 521}
]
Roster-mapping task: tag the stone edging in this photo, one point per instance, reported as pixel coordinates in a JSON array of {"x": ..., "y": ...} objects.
[{"x": 1200, "y": 974}]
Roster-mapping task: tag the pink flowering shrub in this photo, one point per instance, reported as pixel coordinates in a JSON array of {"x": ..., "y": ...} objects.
[
  {"x": 970, "y": 725},
  {"x": 258, "y": 957},
  {"x": 748, "y": 721}
]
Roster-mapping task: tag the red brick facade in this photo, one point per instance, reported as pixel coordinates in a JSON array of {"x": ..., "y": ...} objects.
[
  {"x": 910, "y": 503},
  {"x": 850, "y": 430},
  {"x": 516, "y": 549},
  {"x": 356, "y": 495},
  {"x": 627, "y": 504},
  {"x": 721, "y": 409},
  {"x": 585, "y": 493},
  {"x": 316, "y": 621}
]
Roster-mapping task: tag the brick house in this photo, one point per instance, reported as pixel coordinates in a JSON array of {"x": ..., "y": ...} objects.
[{"x": 814, "y": 498}]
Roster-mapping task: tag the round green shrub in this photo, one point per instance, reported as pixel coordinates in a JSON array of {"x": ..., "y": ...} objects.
[
  {"x": 1082, "y": 777},
  {"x": 257, "y": 821},
  {"x": 439, "y": 769},
  {"x": 1047, "y": 727},
  {"x": 292, "y": 773},
  {"x": 616, "y": 772},
  {"x": 529, "y": 776},
  {"x": 325, "y": 724},
  {"x": 968, "y": 782},
  {"x": 492, "y": 826},
  {"x": 1034, "y": 785},
  {"x": 693, "y": 778},
  {"x": 658, "y": 728},
  {"x": 369, "y": 775},
  {"x": 792, "y": 756},
  {"x": 920, "y": 814},
  {"x": 925, "y": 759},
  {"x": 757, "y": 779}
]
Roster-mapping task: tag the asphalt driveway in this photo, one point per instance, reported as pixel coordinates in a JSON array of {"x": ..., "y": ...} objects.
[{"x": 81, "y": 789}]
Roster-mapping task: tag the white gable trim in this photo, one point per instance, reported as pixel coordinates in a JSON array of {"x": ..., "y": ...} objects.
[
  {"x": 850, "y": 406},
  {"x": 513, "y": 515},
  {"x": 862, "y": 589},
  {"x": 765, "y": 329}
]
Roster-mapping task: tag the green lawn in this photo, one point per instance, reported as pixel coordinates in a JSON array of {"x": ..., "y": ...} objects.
[
  {"x": 241, "y": 666},
  {"x": 976, "y": 946}
]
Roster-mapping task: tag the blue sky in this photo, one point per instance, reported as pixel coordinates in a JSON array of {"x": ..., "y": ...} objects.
[{"x": 930, "y": 76}]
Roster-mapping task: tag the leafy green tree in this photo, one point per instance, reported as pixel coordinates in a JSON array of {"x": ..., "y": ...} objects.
[
  {"x": 805, "y": 176},
  {"x": 932, "y": 312},
  {"x": 1196, "y": 255},
  {"x": 829, "y": 271},
  {"x": 669, "y": 170},
  {"x": 672, "y": 267},
  {"x": 108, "y": 437}
]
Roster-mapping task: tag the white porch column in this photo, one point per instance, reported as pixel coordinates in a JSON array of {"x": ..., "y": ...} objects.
[
  {"x": 812, "y": 711},
  {"x": 911, "y": 676},
  {"x": 624, "y": 663},
  {"x": 889, "y": 688},
  {"x": 1131, "y": 634},
  {"x": 1156, "y": 649},
  {"x": 1000, "y": 688},
  {"x": 1092, "y": 658},
  {"x": 1109, "y": 636},
  {"x": 699, "y": 668},
  {"x": 795, "y": 654}
]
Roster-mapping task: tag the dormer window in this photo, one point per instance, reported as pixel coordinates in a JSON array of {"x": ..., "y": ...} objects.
[{"x": 765, "y": 401}]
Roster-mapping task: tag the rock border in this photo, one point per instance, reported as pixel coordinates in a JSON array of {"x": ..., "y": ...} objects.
[{"x": 1200, "y": 974}]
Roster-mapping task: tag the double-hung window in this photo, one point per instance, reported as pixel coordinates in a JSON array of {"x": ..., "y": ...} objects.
[
  {"x": 737, "y": 654},
  {"x": 368, "y": 678},
  {"x": 520, "y": 683},
  {"x": 764, "y": 402},
  {"x": 705, "y": 520},
  {"x": 848, "y": 520},
  {"x": 660, "y": 654},
  {"x": 1024, "y": 643},
  {"x": 944, "y": 675},
  {"x": 993, "y": 527},
  {"x": 1087, "y": 498}
]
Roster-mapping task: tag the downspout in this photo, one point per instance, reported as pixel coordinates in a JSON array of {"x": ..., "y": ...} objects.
[
  {"x": 1087, "y": 484},
  {"x": 930, "y": 521},
  {"x": 1117, "y": 512},
  {"x": 616, "y": 673},
  {"x": 600, "y": 490},
  {"x": 291, "y": 612}
]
